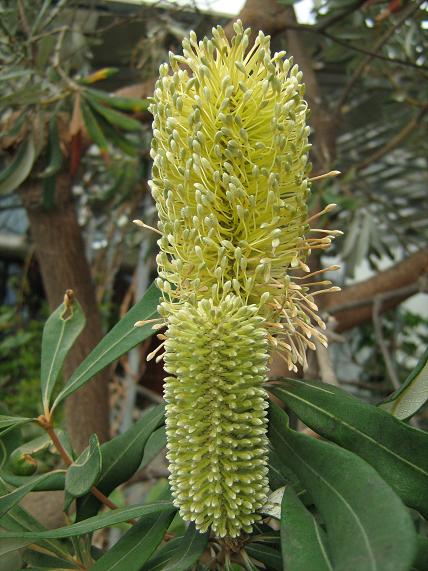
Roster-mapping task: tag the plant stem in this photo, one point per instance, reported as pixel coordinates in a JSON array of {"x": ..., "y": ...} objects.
[{"x": 46, "y": 424}]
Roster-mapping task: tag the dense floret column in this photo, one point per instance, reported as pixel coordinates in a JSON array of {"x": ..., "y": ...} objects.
[{"x": 230, "y": 181}]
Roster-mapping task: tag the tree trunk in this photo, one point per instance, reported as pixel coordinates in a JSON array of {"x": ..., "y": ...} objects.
[{"x": 60, "y": 250}]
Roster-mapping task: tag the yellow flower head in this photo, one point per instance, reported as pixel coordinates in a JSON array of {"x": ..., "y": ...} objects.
[{"x": 230, "y": 181}]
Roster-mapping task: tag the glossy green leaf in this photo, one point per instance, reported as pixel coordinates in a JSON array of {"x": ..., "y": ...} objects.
[
  {"x": 20, "y": 167},
  {"x": 302, "y": 539},
  {"x": 397, "y": 451},
  {"x": 121, "y": 339},
  {"x": 368, "y": 527},
  {"x": 114, "y": 117},
  {"x": 8, "y": 500},
  {"x": 155, "y": 444},
  {"x": 59, "y": 334},
  {"x": 85, "y": 470},
  {"x": 121, "y": 458},
  {"x": 188, "y": 551},
  {"x": 269, "y": 556},
  {"x": 97, "y": 522},
  {"x": 18, "y": 519},
  {"x": 137, "y": 545},
  {"x": 162, "y": 556},
  {"x": 412, "y": 394}
]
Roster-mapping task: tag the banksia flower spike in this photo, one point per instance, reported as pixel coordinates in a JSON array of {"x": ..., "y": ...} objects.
[{"x": 230, "y": 181}]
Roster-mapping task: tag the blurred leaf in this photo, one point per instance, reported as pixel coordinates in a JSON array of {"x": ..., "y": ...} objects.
[
  {"x": 20, "y": 167},
  {"x": 9, "y": 545},
  {"x": 85, "y": 471},
  {"x": 267, "y": 555},
  {"x": 121, "y": 458},
  {"x": 8, "y": 500},
  {"x": 59, "y": 334},
  {"x": 98, "y": 522},
  {"x": 188, "y": 551},
  {"x": 54, "y": 150},
  {"x": 99, "y": 75},
  {"x": 302, "y": 539},
  {"x": 10, "y": 421},
  {"x": 11, "y": 561},
  {"x": 114, "y": 117},
  {"x": 398, "y": 452},
  {"x": 123, "y": 103},
  {"x": 368, "y": 527},
  {"x": 118, "y": 140},
  {"x": 94, "y": 130},
  {"x": 123, "y": 337},
  {"x": 412, "y": 394},
  {"x": 421, "y": 561},
  {"x": 137, "y": 545}
]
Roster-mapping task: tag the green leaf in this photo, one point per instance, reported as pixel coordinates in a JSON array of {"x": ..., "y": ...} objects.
[
  {"x": 97, "y": 522},
  {"x": 123, "y": 103},
  {"x": 188, "y": 551},
  {"x": 397, "y": 451},
  {"x": 20, "y": 167},
  {"x": 163, "y": 555},
  {"x": 94, "y": 130},
  {"x": 368, "y": 527},
  {"x": 267, "y": 555},
  {"x": 123, "y": 337},
  {"x": 46, "y": 560},
  {"x": 115, "y": 117},
  {"x": 121, "y": 458},
  {"x": 8, "y": 422},
  {"x": 59, "y": 334},
  {"x": 85, "y": 471},
  {"x": 137, "y": 545},
  {"x": 155, "y": 443},
  {"x": 21, "y": 461},
  {"x": 421, "y": 561},
  {"x": 17, "y": 519},
  {"x": 12, "y": 561},
  {"x": 9, "y": 545},
  {"x": 412, "y": 394},
  {"x": 54, "y": 150},
  {"x": 302, "y": 540},
  {"x": 55, "y": 482},
  {"x": 10, "y": 499}
]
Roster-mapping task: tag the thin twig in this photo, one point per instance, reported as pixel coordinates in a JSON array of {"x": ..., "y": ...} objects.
[
  {"x": 46, "y": 424},
  {"x": 377, "y": 46},
  {"x": 377, "y": 325}
]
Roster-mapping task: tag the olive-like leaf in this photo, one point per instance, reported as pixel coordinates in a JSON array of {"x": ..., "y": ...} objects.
[{"x": 20, "y": 167}]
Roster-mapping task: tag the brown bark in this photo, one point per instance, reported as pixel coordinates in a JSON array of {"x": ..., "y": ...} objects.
[
  {"x": 60, "y": 251},
  {"x": 357, "y": 300}
]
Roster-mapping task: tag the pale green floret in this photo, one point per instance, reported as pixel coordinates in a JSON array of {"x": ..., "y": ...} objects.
[
  {"x": 230, "y": 151},
  {"x": 216, "y": 414}
]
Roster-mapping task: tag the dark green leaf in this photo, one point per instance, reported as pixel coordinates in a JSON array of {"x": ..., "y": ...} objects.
[
  {"x": 155, "y": 443},
  {"x": 115, "y": 117},
  {"x": 21, "y": 461},
  {"x": 123, "y": 103},
  {"x": 121, "y": 458},
  {"x": 267, "y": 555},
  {"x": 46, "y": 560},
  {"x": 94, "y": 130},
  {"x": 55, "y": 482},
  {"x": 188, "y": 551},
  {"x": 20, "y": 167},
  {"x": 398, "y": 452},
  {"x": 54, "y": 150},
  {"x": 163, "y": 555},
  {"x": 11, "y": 561},
  {"x": 59, "y": 334},
  {"x": 10, "y": 499},
  {"x": 137, "y": 545},
  {"x": 97, "y": 522},
  {"x": 368, "y": 527},
  {"x": 302, "y": 538},
  {"x": 421, "y": 561},
  {"x": 412, "y": 394},
  {"x": 123, "y": 337},
  {"x": 85, "y": 471}
]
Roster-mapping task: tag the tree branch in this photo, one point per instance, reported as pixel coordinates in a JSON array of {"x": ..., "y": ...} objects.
[{"x": 353, "y": 305}]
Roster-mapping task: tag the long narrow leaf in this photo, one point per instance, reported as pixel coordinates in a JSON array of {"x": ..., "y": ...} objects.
[
  {"x": 397, "y": 451},
  {"x": 121, "y": 339},
  {"x": 189, "y": 550},
  {"x": 368, "y": 527}
]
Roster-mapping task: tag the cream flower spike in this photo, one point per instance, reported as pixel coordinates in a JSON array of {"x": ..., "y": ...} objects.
[{"x": 230, "y": 181}]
